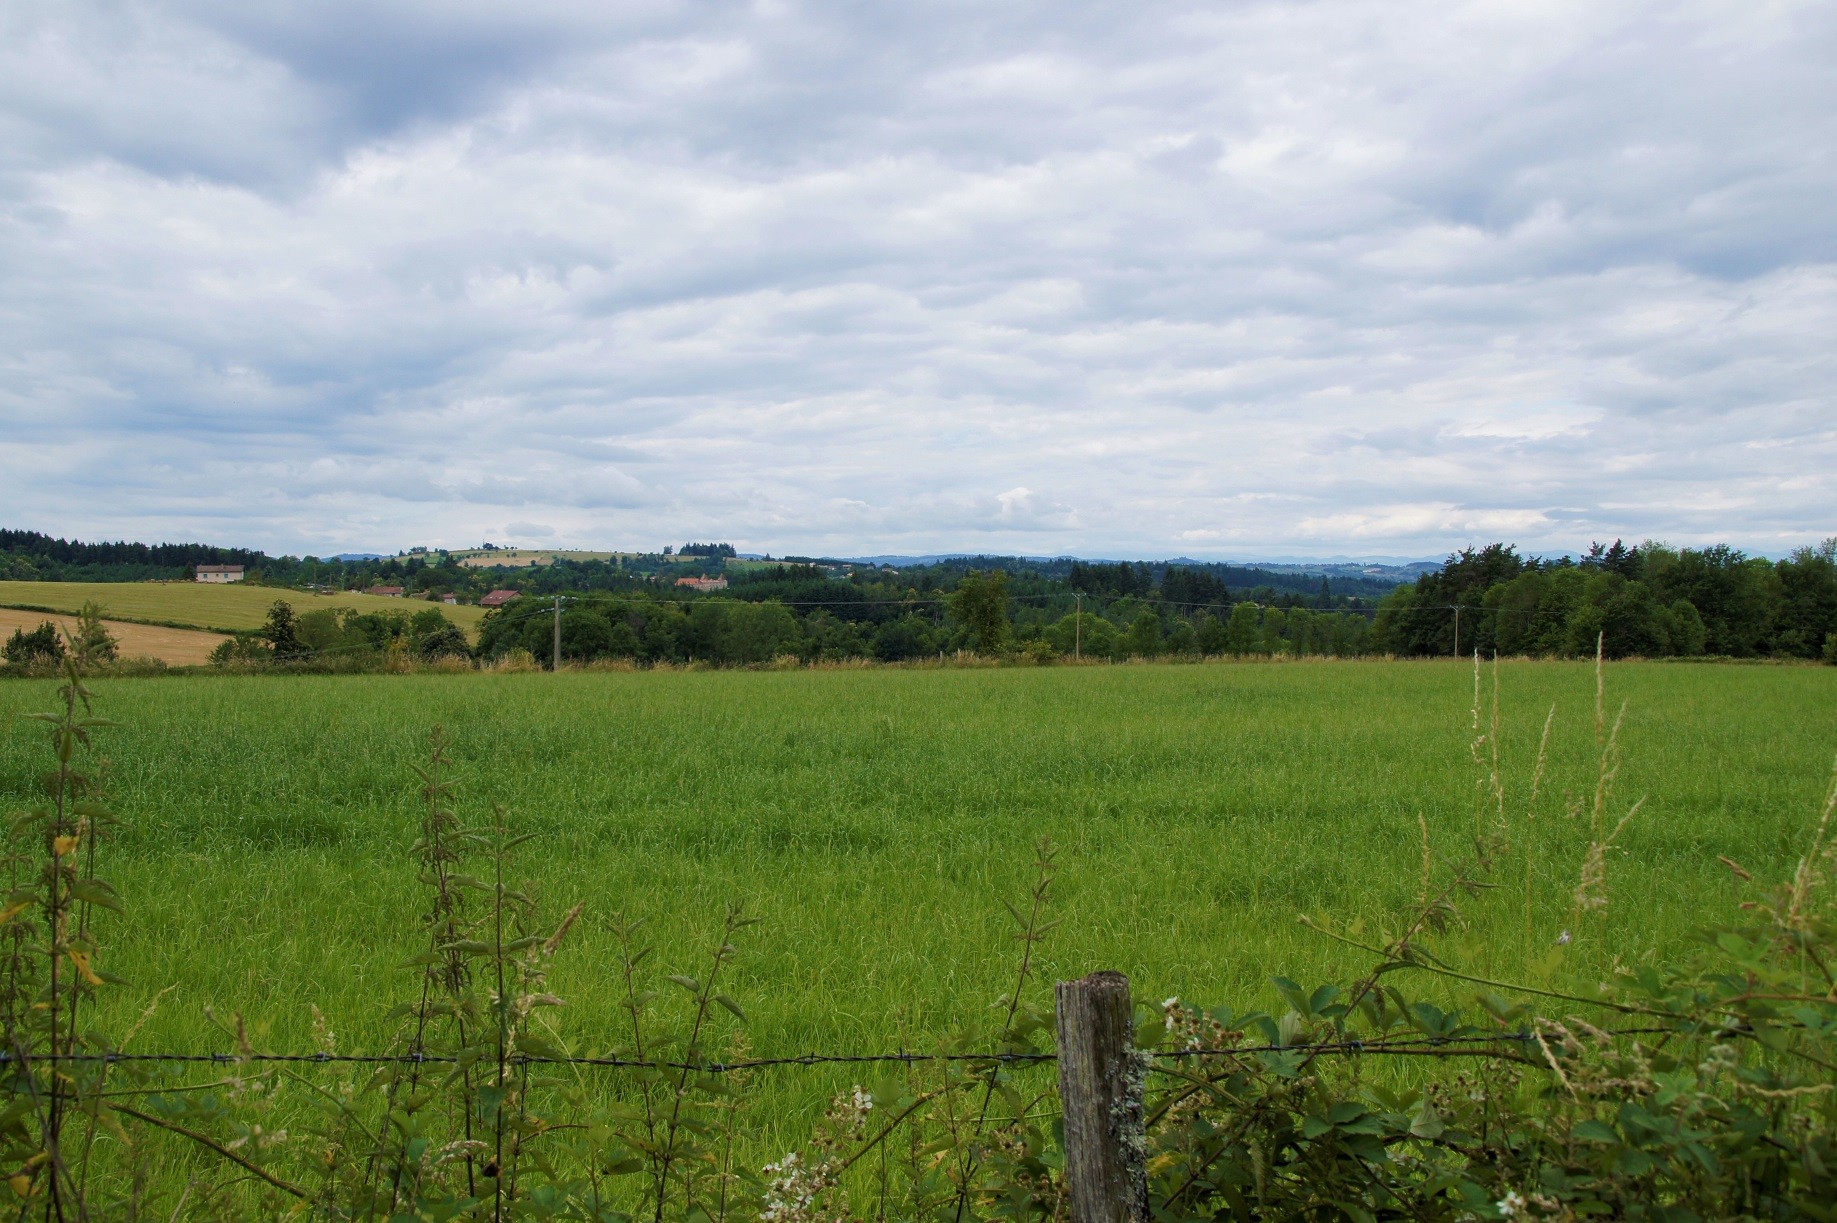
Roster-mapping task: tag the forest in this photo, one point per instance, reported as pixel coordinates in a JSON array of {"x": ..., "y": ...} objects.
[{"x": 1651, "y": 601}]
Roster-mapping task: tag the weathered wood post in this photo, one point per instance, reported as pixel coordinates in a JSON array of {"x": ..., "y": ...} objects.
[{"x": 1100, "y": 1089}]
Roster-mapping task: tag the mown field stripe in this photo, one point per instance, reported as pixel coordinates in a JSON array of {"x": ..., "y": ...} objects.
[{"x": 113, "y": 616}]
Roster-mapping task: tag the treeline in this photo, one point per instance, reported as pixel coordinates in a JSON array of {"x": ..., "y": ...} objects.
[
  {"x": 28, "y": 556},
  {"x": 981, "y": 613},
  {"x": 1652, "y": 601}
]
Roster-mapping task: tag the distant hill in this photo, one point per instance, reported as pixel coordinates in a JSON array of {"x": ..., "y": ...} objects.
[
  {"x": 32, "y": 556},
  {"x": 1391, "y": 568}
]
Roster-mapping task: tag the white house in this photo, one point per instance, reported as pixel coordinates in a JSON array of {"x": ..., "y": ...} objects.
[{"x": 219, "y": 573}]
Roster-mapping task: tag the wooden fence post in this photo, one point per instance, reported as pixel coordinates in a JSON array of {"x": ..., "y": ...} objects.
[{"x": 1100, "y": 1090}]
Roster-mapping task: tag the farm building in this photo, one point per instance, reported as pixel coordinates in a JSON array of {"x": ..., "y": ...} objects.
[
  {"x": 219, "y": 573},
  {"x": 386, "y": 592},
  {"x": 497, "y": 598},
  {"x": 703, "y": 584}
]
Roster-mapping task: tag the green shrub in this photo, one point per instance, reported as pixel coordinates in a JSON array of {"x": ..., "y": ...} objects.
[{"x": 43, "y": 646}]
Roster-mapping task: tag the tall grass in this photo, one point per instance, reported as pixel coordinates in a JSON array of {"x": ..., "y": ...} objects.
[{"x": 872, "y": 819}]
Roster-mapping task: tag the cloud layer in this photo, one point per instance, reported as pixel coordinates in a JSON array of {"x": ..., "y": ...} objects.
[{"x": 1117, "y": 280}]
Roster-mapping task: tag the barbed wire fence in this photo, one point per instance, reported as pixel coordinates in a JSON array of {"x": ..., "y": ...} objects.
[{"x": 1347, "y": 1047}]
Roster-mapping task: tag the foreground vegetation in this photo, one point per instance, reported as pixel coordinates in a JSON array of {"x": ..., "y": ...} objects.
[{"x": 870, "y": 819}]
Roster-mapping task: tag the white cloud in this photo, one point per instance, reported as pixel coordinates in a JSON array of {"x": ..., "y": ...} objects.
[{"x": 1260, "y": 278}]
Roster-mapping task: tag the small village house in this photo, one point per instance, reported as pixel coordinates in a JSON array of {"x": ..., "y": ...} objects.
[
  {"x": 497, "y": 598},
  {"x": 385, "y": 592},
  {"x": 704, "y": 585},
  {"x": 219, "y": 573}
]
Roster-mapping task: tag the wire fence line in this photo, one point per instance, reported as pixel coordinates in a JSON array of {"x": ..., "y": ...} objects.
[{"x": 1350, "y": 1046}]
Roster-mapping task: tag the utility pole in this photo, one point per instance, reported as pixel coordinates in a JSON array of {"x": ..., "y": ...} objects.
[
  {"x": 1457, "y": 630},
  {"x": 557, "y": 666},
  {"x": 1078, "y": 629}
]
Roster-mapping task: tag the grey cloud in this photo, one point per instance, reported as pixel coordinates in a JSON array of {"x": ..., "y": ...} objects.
[{"x": 833, "y": 275}]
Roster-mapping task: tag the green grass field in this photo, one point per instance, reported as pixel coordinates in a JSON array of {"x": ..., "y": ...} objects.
[
  {"x": 227, "y": 608},
  {"x": 875, "y": 819},
  {"x": 520, "y": 558}
]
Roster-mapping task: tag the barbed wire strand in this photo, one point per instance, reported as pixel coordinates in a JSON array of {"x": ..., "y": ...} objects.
[{"x": 1415, "y": 1044}]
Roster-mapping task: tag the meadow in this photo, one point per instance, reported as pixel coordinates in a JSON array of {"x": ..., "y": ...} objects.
[
  {"x": 228, "y": 608},
  {"x": 875, "y": 819}
]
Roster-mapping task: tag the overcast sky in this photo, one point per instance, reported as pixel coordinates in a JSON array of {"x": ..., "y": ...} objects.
[{"x": 1223, "y": 279}]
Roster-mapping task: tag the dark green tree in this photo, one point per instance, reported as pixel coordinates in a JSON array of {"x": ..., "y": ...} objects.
[
  {"x": 1736, "y": 596},
  {"x": 1275, "y": 631},
  {"x": 586, "y": 634},
  {"x": 760, "y": 634},
  {"x": 1182, "y": 639},
  {"x": 1143, "y": 640},
  {"x": 1242, "y": 628},
  {"x": 43, "y": 646},
  {"x": 979, "y": 605},
  {"x": 282, "y": 631},
  {"x": 904, "y": 638},
  {"x": 1209, "y": 634},
  {"x": 1684, "y": 628},
  {"x": 1808, "y": 603}
]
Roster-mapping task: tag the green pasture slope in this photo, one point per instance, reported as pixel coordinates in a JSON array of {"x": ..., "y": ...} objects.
[{"x": 875, "y": 819}]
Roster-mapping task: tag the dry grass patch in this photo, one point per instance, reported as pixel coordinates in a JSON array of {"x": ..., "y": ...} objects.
[
  {"x": 229, "y": 608},
  {"x": 176, "y": 647}
]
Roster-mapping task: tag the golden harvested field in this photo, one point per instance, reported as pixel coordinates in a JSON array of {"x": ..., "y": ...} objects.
[
  {"x": 228, "y": 608},
  {"x": 176, "y": 647}
]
